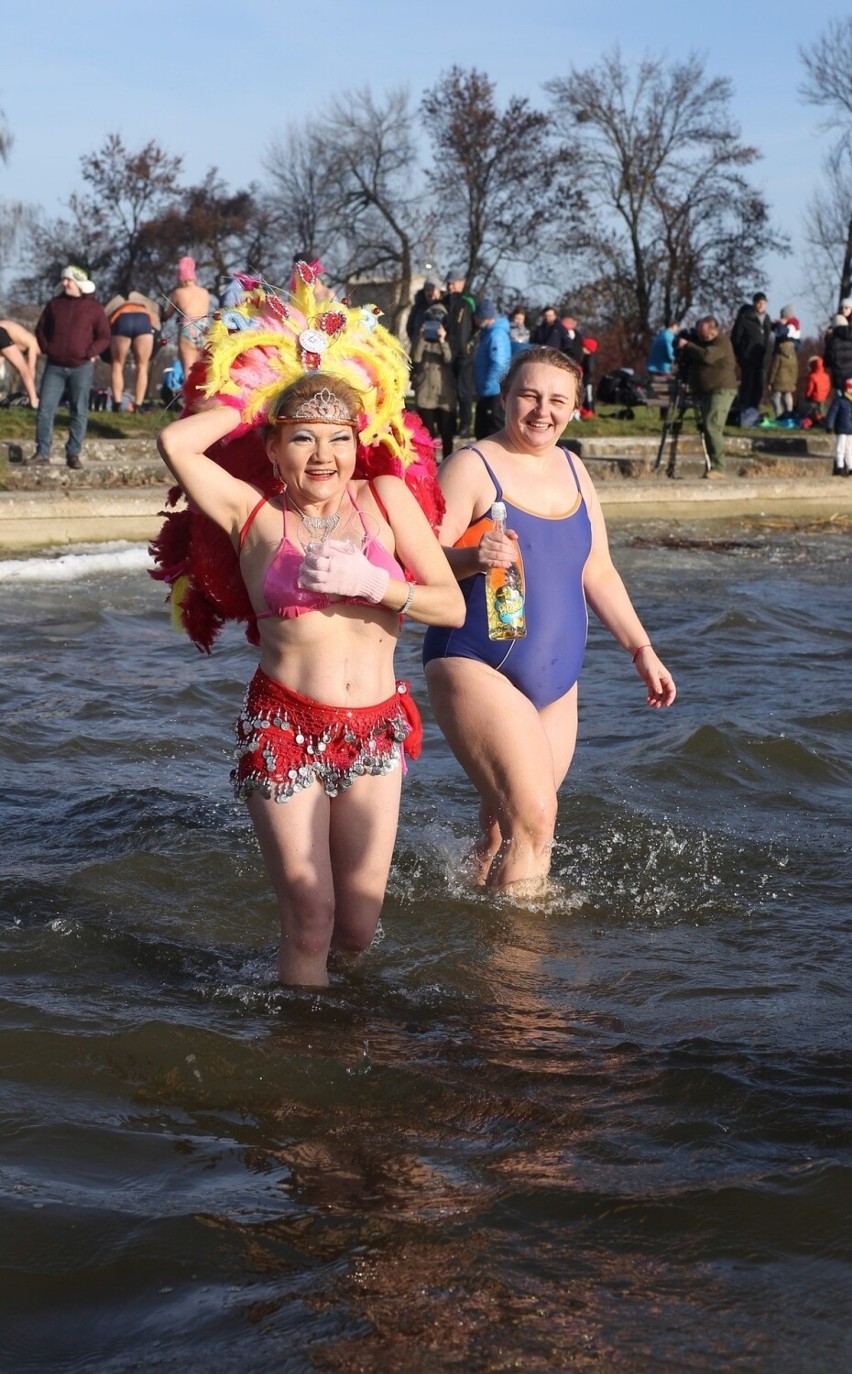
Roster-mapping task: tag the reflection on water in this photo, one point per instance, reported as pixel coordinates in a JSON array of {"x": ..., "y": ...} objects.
[{"x": 609, "y": 1132}]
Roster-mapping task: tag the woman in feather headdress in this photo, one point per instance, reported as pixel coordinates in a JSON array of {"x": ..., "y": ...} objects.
[{"x": 294, "y": 456}]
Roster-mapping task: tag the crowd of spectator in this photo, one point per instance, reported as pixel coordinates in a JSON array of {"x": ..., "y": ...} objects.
[{"x": 460, "y": 348}]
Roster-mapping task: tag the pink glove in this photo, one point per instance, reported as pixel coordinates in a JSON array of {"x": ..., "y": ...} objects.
[{"x": 339, "y": 569}]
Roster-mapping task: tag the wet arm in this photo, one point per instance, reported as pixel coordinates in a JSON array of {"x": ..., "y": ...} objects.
[
  {"x": 609, "y": 599},
  {"x": 436, "y": 598},
  {"x": 469, "y": 493},
  {"x": 183, "y": 444}
]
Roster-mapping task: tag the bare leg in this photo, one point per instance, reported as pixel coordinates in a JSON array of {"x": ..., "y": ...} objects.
[
  {"x": 328, "y": 859},
  {"x": 293, "y": 839},
  {"x": 559, "y": 722},
  {"x": 489, "y": 842},
  {"x": 143, "y": 347},
  {"x": 21, "y": 366},
  {"x": 119, "y": 348},
  {"x": 187, "y": 353},
  {"x": 515, "y": 756},
  {"x": 364, "y": 822}
]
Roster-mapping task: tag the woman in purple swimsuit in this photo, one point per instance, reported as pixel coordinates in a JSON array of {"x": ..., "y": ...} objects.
[
  {"x": 324, "y": 721},
  {"x": 508, "y": 709}
]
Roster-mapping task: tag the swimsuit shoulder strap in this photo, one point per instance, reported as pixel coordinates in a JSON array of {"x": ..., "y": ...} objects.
[
  {"x": 378, "y": 500},
  {"x": 499, "y": 490},
  {"x": 567, "y": 453},
  {"x": 250, "y": 520}
]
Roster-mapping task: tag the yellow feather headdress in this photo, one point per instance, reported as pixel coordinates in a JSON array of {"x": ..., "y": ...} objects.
[{"x": 261, "y": 345}]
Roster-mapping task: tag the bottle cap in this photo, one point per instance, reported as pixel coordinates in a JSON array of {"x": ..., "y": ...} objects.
[{"x": 498, "y": 511}]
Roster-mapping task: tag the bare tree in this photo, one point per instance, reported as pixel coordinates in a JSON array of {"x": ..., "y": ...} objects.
[
  {"x": 13, "y": 214},
  {"x": 494, "y": 175},
  {"x": 374, "y": 180},
  {"x": 826, "y": 64},
  {"x": 107, "y": 224},
  {"x": 671, "y": 220},
  {"x": 829, "y": 217},
  {"x": 300, "y": 197},
  {"x": 17, "y": 225},
  {"x": 346, "y": 190},
  {"x": 224, "y": 230},
  {"x": 5, "y": 137},
  {"x": 134, "y": 219}
]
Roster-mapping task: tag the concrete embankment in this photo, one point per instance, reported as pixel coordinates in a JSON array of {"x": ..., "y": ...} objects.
[{"x": 120, "y": 491}]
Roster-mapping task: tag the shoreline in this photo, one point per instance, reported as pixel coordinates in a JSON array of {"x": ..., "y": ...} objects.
[{"x": 120, "y": 492}]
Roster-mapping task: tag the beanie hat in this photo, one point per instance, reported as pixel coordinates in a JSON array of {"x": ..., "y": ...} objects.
[
  {"x": 87, "y": 287},
  {"x": 786, "y": 311},
  {"x": 846, "y": 303},
  {"x": 186, "y": 269},
  {"x": 456, "y": 274},
  {"x": 486, "y": 310}
]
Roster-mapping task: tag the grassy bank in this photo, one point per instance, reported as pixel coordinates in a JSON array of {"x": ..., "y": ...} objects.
[{"x": 19, "y": 424}]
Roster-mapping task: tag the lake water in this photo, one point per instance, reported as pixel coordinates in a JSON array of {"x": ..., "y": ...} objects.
[{"x": 610, "y": 1133}]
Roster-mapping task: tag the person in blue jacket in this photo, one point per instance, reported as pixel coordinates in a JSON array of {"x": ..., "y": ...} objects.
[
  {"x": 492, "y": 357},
  {"x": 662, "y": 353}
]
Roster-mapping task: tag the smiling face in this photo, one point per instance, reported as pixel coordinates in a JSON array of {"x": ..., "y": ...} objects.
[
  {"x": 540, "y": 401},
  {"x": 314, "y": 459}
]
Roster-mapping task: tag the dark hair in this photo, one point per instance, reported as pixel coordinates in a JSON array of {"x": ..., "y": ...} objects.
[{"x": 548, "y": 357}]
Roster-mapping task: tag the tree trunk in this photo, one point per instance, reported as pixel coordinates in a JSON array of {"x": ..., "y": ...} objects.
[{"x": 846, "y": 274}]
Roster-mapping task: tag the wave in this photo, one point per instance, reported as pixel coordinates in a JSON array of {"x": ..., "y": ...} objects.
[{"x": 84, "y": 561}]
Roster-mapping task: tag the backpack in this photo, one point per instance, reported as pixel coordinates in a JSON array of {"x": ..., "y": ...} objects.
[{"x": 619, "y": 388}]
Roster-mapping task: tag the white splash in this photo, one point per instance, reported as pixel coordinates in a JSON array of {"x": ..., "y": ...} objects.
[{"x": 85, "y": 561}]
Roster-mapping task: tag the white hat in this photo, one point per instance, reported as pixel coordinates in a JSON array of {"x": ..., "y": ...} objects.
[{"x": 87, "y": 288}]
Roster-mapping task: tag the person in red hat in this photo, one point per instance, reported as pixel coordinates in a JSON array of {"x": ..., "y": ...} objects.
[{"x": 587, "y": 395}]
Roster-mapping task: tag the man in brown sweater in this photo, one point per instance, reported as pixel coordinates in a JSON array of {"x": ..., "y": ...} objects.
[
  {"x": 713, "y": 381},
  {"x": 72, "y": 331}
]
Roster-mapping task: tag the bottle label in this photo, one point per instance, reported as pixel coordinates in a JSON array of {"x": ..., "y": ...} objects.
[{"x": 509, "y": 605}]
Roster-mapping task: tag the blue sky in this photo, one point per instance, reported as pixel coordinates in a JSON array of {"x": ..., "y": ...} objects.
[{"x": 215, "y": 81}]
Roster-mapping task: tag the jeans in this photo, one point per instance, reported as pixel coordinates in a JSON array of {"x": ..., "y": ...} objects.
[
  {"x": 714, "y": 407},
  {"x": 79, "y": 380}
]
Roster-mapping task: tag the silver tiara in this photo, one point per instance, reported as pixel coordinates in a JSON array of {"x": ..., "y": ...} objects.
[{"x": 323, "y": 406}]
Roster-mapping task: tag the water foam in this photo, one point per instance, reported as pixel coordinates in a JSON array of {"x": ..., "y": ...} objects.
[{"x": 84, "y": 561}]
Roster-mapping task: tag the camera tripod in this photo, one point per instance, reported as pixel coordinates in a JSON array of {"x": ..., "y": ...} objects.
[{"x": 681, "y": 400}]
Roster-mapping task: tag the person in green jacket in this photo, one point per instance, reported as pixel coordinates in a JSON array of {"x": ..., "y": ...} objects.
[{"x": 713, "y": 381}]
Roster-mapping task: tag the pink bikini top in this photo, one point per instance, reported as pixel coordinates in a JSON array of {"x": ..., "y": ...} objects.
[{"x": 281, "y": 592}]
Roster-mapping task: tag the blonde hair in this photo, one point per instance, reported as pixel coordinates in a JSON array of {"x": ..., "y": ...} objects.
[{"x": 548, "y": 357}]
